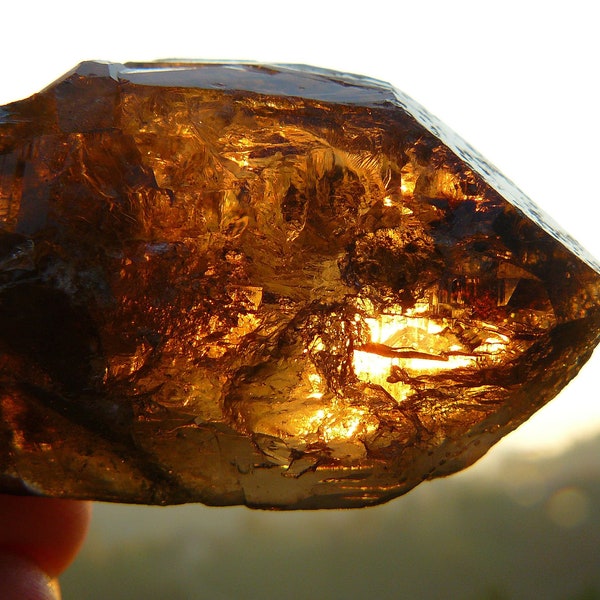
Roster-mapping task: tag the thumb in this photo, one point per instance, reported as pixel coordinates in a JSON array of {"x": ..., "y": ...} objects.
[{"x": 22, "y": 579}]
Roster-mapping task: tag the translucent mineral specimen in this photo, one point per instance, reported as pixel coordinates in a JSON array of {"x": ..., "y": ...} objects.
[{"x": 267, "y": 285}]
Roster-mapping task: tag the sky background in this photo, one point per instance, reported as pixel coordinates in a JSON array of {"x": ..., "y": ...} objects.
[{"x": 517, "y": 80}]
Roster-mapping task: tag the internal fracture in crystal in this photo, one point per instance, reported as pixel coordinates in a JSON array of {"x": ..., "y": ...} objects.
[{"x": 266, "y": 285}]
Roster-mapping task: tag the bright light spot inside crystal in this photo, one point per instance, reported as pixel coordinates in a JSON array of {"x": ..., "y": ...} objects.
[
  {"x": 315, "y": 378},
  {"x": 342, "y": 429},
  {"x": 407, "y": 187},
  {"x": 241, "y": 159},
  {"x": 387, "y": 201},
  {"x": 386, "y": 328},
  {"x": 369, "y": 366},
  {"x": 316, "y": 382},
  {"x": 337, "y": 422},
  {"x": 314, "y": 421},
  {"x": 496, "y": 340},
  {"x": 399, "y": 336},
  {"x": 317, "y": 345},
  {"x": 493, "y": 345},
  {"x": 433, "y": 327},
  {"x": 423, "y": 364},
  {"x": 418, "y": 309}
]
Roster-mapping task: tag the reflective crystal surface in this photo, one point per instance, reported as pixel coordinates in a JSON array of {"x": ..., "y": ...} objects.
[{"x": 267, "y": 285}]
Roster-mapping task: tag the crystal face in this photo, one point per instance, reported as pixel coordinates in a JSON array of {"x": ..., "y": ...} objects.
[{"x": 266, "y": 285}]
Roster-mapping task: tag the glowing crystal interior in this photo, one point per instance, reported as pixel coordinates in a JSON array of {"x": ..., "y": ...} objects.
[{"x": 267, "y": 285}]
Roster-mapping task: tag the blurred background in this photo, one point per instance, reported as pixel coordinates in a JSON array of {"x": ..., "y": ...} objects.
[{"x": 518, "y": 80}]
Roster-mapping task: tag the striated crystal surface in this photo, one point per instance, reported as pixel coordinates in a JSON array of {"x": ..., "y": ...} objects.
[{"x": 268, "y": 285}]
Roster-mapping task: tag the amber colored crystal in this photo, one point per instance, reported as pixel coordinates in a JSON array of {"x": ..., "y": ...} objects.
[{"x": 267, "y": 285}]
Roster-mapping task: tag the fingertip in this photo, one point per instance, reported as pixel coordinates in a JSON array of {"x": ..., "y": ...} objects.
[
  {"x": 47, "y": 531},
  {"x": 22, "y": 579}
]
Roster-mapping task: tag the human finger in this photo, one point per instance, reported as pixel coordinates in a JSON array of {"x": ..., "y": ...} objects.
[{"x": 47, "y": 531}]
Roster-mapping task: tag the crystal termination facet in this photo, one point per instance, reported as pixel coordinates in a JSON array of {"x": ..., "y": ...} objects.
[{"x": 266, "y": 285}]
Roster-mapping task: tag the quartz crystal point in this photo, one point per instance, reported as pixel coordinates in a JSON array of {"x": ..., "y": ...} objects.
[{"x": 268, "y": 285}]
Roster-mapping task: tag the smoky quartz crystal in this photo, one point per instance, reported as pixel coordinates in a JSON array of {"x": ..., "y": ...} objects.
[{"x": 269, "y": 285}]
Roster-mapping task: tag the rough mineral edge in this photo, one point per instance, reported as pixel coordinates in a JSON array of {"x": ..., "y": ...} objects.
[{"x": 354, "y": 91}]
